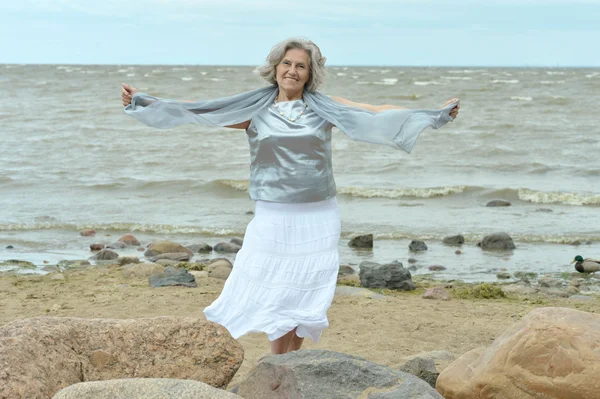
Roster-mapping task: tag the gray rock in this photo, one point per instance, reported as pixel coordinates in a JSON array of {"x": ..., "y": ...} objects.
[
  {"x": 105, "y": 254},
  {"x": 227, "y": 247},
  {"x": 143, "y": 388},
  {"x": 10, "y": 247},
  {"x": 497, "y": 203},
  {"x": 391, "y": 275},
  {"x": 18, "y": 263},
  {"x": 503, "y": 275},
  {"x": 454, "y": 240},
  {"x": 417, "y": 246},
  {"x": 437, "y": 293},
  {"x": 165, "y": 247},
  {"x": 436, "y": 268},
  {"x": 200, "y": 248},
  {"x": 412, "y": 260},
  {"x": 519, "y": 289},
  {"x": 237, "y": 241},
  {"x": 117, "y": 245},
  {"x": 422, "y": 368},
  {"x": 549, "y": 282},
  {"x": 525, "y": 275},
  {"x": 501, "y": 241},
  {"x": 346, "y": 270},
  {"x": 125, "y": 260},
  {"x": 175, "y": 256},
  {"x": 325, "y": 374},
  {"x": 365, "y": 241},
  {"x": 173, "y": 277}
]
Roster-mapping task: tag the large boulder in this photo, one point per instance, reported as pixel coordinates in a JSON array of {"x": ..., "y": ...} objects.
[
  {"x": 325, "y": 374},
  {"x": 166, "y": 247},
  {"x": 500, "y": 241},
  {"x": 105, "y": 254},
  {"x": 365, "y": 241},
  {"x": 129, "y": 239},
  {"x": 143, "y": 388},
  {"x": 227, "y": 247},
  {"x": 391, "y": 275},
  {"x": 40, "y": 356},
  {"x": 454, "y": 240},
  {"x": 550, "y": 353},
  {"x": 417, "y": 246}
]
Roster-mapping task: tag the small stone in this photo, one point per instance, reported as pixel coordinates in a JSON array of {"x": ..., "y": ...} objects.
[
  {"x": 458, "y": 252},
  {"x": 575, "y": 243},
  {"x": 345, "y": 270},
  {"x": 249, "y": 213},
  {"x": 417, "y": 246},
  {"x": 364, "y": 241},
  {"x": 438, "y": 293},
  {"x": 436, "y": 268},
  {"x": 173, "y": 277},
  {"x": 200, "y": 248},
  {"x": 96, "y": 247},
  {"x": 454, "y": 240},
  {"x": 503, "y": 275},
  {"x": 117, "y": 245},
  {"x": 227, "y": 247},
  {"x": 497, "y": 241},
  {"x": 412, "y": 260},
  {"x": 10, "y": 247},
  {"x": 129, "y": 239},
  {"x": 105, "y": 254},
  {"x": 177, "y": 256},
  {"x": 497, "y": 203},
  {"x": 125, "y": 260},
  {"x": 88, "y": 233}
]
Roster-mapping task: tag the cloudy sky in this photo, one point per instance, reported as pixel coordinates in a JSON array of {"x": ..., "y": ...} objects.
[{"x": 349, "y": 32}]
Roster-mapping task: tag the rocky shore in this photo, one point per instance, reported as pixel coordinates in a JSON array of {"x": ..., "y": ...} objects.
[{"x": 397, "y": 325}]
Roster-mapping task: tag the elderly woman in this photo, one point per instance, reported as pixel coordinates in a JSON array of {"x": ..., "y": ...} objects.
[{"x": 284, "y": 277}]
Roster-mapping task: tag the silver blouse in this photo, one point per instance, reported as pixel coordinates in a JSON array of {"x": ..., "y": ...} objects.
[{"x": 290, "y": 161}]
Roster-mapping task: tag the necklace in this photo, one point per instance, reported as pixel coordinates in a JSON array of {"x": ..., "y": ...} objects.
[{"x": 304, "y": 107}]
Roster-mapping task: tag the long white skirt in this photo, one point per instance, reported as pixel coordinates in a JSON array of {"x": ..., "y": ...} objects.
[{"x": 284, "y": 276}]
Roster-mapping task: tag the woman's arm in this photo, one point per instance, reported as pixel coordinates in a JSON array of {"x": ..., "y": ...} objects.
[
  {"x": 380, "y": 108},
  {"x": 127, "y": 93}
]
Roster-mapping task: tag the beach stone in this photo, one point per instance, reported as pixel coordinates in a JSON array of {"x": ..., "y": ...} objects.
[
  {"x": 550, "y": 353},
  {"x": 438, "y": 293},
  {"x": 200, "y": 248},
  {"x": 18, "y": 263},
  {"x": 173, "y": 277},
  {"x": 519, "y": 289},
  {"x": 497, "y": 203},
  {"x": 412, "y": 260},
  {"x": 227, "y": 247},
  {"x": 129, "y": 239},
  {"x": 64, "y": 264},
  {"x": 454, "y": 240},
  {"x": 436, "y": 268},
  {"x": 503, "y": 276},
  {"x": 417, "y": 246},
  {"x": 96, "y": 247},
  {"x": 220, "y": 269},
  {"x": 117, "y": 245},
  {"x": 237, "y": 241},
  {"x": 143, "y": 388},
  {"x": 364, "y": 241},
  {"x": 458, "y": 252},
  {"x": 549, "y": 282},
  {"x": 142, "y": 270},
  {"x": 525, "y": 275},
  {"x": 326, "y": 374},
  {"x": 105, "y": 254},
  {"x": 346, "y": 270},
  {"x": 125, "y": 260},
  {"x": 391, "y": 275},
  {"x": 500, "y": 241},
  {"x": 40, "y": 356},
  {"x": 10, "y": 247},
  {"x": 87, "y": 233},
  {"x": 166, "y": 247},
  {"x": 199, "y": 273},
  {"x": 424, "y": 368},
  {"x": 174, "y": 256}
]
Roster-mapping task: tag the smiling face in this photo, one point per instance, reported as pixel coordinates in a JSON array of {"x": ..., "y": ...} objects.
[{"x": 293, "y": 71}]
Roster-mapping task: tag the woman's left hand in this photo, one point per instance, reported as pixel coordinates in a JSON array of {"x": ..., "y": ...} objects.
[{"x": 454, "y": 112}]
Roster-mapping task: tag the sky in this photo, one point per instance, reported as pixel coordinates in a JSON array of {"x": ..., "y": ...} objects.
[{"x": 554, "y": 33}]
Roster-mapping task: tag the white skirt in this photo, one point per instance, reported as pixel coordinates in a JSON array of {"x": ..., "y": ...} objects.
[{"x": 284, "y": 276}]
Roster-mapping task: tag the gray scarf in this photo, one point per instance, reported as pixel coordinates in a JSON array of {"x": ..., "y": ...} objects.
[{"x": 395, "y": 128}]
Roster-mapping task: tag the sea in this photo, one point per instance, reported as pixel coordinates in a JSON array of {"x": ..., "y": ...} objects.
[{"x": 71, "y": 159}]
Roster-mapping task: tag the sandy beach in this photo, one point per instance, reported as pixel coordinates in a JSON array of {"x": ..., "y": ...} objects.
[{"x": 385, "y": 331}]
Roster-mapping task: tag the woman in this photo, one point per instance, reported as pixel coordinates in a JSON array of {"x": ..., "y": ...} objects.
[{"x": 284, "y": 277}]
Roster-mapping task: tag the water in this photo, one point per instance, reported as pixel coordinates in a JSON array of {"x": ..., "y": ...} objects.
[{"x": 71, "y": 159}]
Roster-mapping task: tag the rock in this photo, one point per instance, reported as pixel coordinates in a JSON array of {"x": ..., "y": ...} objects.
[
  {"x": 345, "y": 270},
  {"x": 412, "y": 260},
  {"x": 219, "y": 269},
  {"x": 454, "y": 240},
  {"x": 352, "y": 280},
  {"x": 237, "y": 241},
  {"x": 553, "y": 292},
  {"x": 40, "y": 356},
  {"x": 10, "y": 247},
  {"x": 96, "y": 247},
  {"x": 125, "y": 260},
  {"x": 17, "y": 263},
  {"x": 142, "y": 270},
  {"x": 64, "y": 264},
  {"x": 200, "y": 248},
  {"x": 417, "y": 246},
  {"x": 365, "y": 241},
  {"x": 500, "y": 241},
  {"x": 143, "y": 388},
  {"x": 249, "y": 213},
  {"x": 392, "y": 275},
  {"x": 436, "y": 268},
  {"x": 422, "y": 368},
  {"x": 525, "y": 275},
  {"x": 519, "y": 289},
  {"x": 550, "y": 353},
  {"x": 87, "y": 233},
  {"x": 497, "y": 203},
  {"x": 174, "y": 256},
  {"x": 117, "y": 245},
  {"x": 199, "y": 274},
  {"x": 438, "y": 293},
  {"x": 549, "y": 282},
  {"x": 166, "y": 247},
  {"x": 198, "y": 266},
  {"x": 503, "y": 276},
  {"x": 344, "y": 290},
  {"x": 584, "y": 298},
  {"x": 458, "y": 252},
  {"x": 227, "y": 247},
  {"x": 173, "y": 277},
  {"x": 105, "y": 254},
  {"x": 325, "y": 374},
  {"x": 129, "y": 239}
]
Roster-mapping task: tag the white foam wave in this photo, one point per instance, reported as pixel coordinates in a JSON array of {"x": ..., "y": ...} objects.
[
  {"x": 176, "y": 69},
  {"x": 517, "y": 98},
  {"x": 467, "y": 71},
  {"x": 187, "y": 78},
  {"x": 511, "y": 81},
  {"x": 457, "y": 77},
  {"x": 130, "y": 75},
  {"x": 428, "y": 192},
  {"x": 554, "y": 73},
  {"x": 341, "y": 74},
  {"x": 427, "y": 83},
  {"x": 552, "y": 82},
  {"x": 390, "y": 82},
  {"x": 592, "y": 75},
  {"x": 541, "y": 197},
  {"x": 240, "y": 185}
]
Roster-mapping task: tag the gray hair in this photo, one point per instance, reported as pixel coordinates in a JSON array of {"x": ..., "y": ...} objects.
[{"x": 317, "y": 61}]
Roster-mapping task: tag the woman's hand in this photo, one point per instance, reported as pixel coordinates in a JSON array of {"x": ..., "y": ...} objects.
[
  {"x": 126, "y": 93},
  {"x": 454, "y": 112}
]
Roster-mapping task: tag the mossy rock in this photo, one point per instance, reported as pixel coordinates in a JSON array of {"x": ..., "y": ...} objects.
[
  {"x": 18, "y": 263},
  {"x": 480, "y": 291},
  {"x": 348, "y": 282},
  {"x": 191, "y": 266},
  {"x": 526, "y": 275}
]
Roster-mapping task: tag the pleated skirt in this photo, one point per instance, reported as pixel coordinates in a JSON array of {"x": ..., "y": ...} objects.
[{"x": 284, "y": 276}]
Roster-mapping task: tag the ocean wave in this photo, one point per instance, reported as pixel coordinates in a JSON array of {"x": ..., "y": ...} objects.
[
  {"x": 541, "y": 197},
  {"x": 457, "y": 77},
  {"x": 428, "y": 192},
  {"x": 551, "y": 82},
  {"x": 187, "y": 78},
  {"x": 239, "y": 185},
  {"x": 510, "y": 81},
  {"x": 426, "y": 83},
  {"x": 517, "y": 98}
]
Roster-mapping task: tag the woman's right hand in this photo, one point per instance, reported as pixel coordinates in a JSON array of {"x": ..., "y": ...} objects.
[{"x": 126, "y": 93}]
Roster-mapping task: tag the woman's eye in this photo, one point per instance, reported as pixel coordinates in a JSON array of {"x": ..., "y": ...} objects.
[{"x": 301, "y": 66}]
